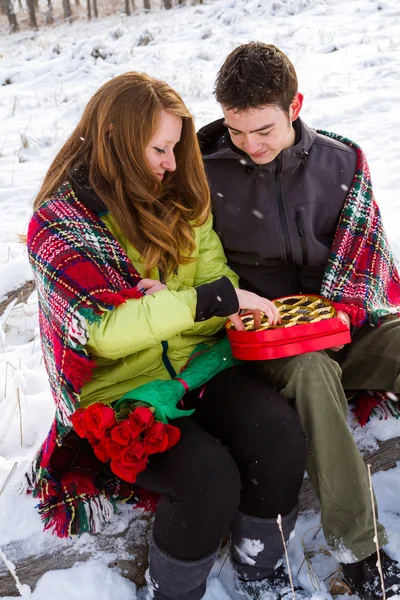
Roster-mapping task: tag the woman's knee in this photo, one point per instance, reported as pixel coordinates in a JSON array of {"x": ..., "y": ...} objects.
[
  {"x": 214, "y": 479},
  {"x": 267, "y": 415},
  {"x": 208, "y": 478},
  {"x": 275, "y": 458},
  {"x": 201, "y": 500},
  {"x": 278, "y": 432}
]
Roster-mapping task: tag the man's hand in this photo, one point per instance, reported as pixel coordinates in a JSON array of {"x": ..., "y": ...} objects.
[
  {"x": 344, "y": 317},
  {"x": 257, "y": 305},
  {"x": 151, "y": 286}
]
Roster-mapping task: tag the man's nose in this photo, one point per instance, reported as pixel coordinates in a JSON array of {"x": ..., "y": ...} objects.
[{"x": 251, "y": 146}]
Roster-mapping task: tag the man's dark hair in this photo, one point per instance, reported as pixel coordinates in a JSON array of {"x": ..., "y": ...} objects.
[{"x": 256, "y": 75}]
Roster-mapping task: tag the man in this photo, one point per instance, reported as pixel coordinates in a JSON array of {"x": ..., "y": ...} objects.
[{"x": 295, "y": 213}]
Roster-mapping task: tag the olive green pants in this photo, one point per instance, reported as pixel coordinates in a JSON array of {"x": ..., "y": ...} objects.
[{"x": 316, "y": 382}]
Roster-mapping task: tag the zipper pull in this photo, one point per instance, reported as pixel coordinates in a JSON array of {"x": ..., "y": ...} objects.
[{"x": 298, "y": 223}]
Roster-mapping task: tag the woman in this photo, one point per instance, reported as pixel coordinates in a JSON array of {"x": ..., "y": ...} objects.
[{"x": 131, "y": 278}]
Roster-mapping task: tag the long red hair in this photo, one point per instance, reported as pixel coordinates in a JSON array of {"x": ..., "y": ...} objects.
[{"x": 156, "y": 217}]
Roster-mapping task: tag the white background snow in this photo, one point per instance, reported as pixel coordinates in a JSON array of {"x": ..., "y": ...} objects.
[{"x": 347, "y": 55}]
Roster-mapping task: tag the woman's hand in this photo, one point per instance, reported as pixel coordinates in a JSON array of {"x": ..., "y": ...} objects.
[
  {"x": 151, "y": 286},
  {"x": 257, "y": 305}
]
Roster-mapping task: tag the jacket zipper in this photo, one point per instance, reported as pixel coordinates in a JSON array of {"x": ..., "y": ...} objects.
[
  {"x": 302, "y": 235},
  {"x": 281, "y": 210},
  {"x": 165, "y": 358},
  {"x": 167, "y": 363}
]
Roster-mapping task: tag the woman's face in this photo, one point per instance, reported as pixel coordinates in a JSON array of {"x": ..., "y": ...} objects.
[{"x": 160, "y": 151}]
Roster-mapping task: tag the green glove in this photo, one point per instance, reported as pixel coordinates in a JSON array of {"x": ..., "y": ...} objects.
[
  {"x": 203, "y": 365},
  {"x": 162, "y": 395}
]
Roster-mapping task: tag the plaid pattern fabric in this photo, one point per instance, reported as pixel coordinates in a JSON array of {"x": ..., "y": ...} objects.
[
  {"x": 361, "y": 277},
  {"x": 80, "y": 271}
]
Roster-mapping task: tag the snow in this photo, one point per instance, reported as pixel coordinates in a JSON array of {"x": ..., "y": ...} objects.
[
  {"x": 91, "y": 580},
  {"x": 347, "y": 55},
  {"x": 248, "y": 550}
]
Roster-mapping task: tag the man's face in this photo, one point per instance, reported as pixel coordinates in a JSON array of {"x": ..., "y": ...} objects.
[{"x": 261, "y": 132}]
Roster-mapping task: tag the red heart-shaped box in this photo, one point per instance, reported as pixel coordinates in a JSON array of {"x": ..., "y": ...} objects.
[{"x": 283, "y": 341}]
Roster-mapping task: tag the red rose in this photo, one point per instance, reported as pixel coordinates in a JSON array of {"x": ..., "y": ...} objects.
[
  {"x": 174, "y": 435},
  {"x": 127, "y": 473},
  {"x": 101, "y": 450},
  {"x": 122, "y": 433},
  {"x": 131, "y": 461},
  {"x": 112, "y": 447},
  {"x": 155, "y": 438},
  {"x": 140, "y": 419},
  {"x": 92, "y": 438},
  {"x": 99, "y": 418},
  {"x": 78, "y": 420}
]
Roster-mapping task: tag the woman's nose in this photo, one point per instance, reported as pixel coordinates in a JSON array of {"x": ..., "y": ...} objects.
[{"x": 169, "y": 163}]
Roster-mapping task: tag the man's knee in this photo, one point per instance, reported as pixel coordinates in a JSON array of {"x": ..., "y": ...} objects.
[
  {"x": 311, "y": 372},
  {"x": 315, "y": 362},
  {"x": 314, "y": 384}
]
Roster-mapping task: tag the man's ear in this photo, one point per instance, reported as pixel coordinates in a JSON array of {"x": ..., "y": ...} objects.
[{"x": 296, "y": 105}]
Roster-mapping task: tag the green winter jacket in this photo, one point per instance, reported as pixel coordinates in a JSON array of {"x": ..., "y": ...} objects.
[{"x": 151, "y": 338}]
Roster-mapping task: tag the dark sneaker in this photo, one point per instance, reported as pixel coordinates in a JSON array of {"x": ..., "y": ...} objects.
[
  {"x": 363, "y": 577},
  {"x": 274, "y": 587}
]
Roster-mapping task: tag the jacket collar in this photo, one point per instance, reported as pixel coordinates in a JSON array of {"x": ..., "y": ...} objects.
[
  {"x": 79, "y": 180},
  {"x": 215, "y": 143}
]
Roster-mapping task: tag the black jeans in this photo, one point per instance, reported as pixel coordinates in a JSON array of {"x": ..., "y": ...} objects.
[{"x": 243, "y": 449}]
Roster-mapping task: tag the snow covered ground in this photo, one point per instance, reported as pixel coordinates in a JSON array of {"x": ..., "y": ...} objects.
[{"x": 347, "y": 54}]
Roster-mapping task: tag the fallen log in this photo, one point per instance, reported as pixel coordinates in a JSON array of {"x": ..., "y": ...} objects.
[
  {"x": 383, "y": 458},
  {"x": 128, "y": 549},
  {"x": 22, "y": 294}
]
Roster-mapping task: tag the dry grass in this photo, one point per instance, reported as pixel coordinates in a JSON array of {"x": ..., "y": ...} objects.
[{"x": 106, "y": 8}]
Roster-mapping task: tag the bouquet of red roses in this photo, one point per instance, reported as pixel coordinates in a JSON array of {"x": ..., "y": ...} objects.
[
  {"x": 137, "y": 425},
  {"x": 126, "y": 439}
]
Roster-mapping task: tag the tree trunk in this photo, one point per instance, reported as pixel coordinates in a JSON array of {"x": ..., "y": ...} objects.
[
  {"x": 127, "y": 8},
  {"x": 77, "y": 2},
  {"x": 67, "y": 9},
  {"x": 167, "y": 4},
  {"x": 49, "y": 19},
  {"x": 146, "y": 4},
  {"x": 12, "y": 18},
  {"x": 95, "y": 9},
  {"x": 89, "y": 10},
  {"x": 32, "y": 13},
  {"x": 181, "y": 2},
  {"x": 133, "y": 5}
]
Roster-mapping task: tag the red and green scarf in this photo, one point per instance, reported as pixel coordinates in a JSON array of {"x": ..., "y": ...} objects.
[
  {"x": 80, "y": 271},
  {"x": 361, "y": 277}
]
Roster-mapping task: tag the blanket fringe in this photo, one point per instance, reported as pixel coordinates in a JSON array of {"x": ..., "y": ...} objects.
[
  {"x": 73, "y": 506},
  {"x": 378, "y": 404},
  {"x": 148, "y": 501}
]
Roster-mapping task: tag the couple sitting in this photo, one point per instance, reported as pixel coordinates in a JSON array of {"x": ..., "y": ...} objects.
[{"x": 132, "y": 276}]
